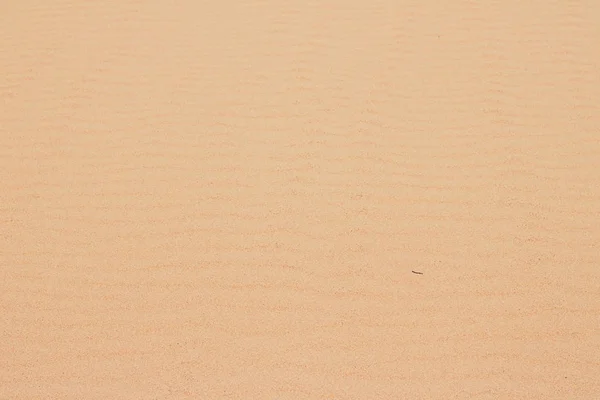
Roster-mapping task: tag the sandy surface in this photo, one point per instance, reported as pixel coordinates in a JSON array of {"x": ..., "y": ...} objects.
[{"x": 226, "y": 200}]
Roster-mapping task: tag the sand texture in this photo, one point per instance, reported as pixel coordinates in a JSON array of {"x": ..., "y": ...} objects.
[{"x": 227, "y": 200}]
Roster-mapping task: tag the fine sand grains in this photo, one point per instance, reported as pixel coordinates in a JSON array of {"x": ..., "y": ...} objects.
[{"x": 299, "y": 200}]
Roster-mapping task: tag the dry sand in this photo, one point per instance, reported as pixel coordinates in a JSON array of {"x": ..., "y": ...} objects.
[{"x": 226, "y": 199}]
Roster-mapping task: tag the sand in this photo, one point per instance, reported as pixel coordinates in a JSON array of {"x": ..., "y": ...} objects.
[{"x": 227, "y": 200}]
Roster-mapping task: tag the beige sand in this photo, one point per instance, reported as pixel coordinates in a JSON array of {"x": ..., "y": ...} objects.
[{"x": 226, "y": 199}]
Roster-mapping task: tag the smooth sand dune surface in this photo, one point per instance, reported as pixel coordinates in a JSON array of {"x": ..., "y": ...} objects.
[{"x": 226, "y": 200}]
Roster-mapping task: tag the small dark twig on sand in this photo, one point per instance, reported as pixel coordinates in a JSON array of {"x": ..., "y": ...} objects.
[{"x": 417, "y": 272}]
